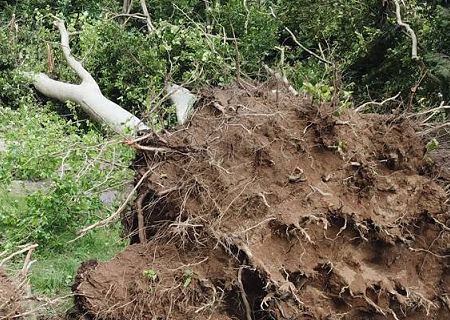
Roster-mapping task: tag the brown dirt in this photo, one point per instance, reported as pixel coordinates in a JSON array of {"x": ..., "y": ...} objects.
[
  {"x": 9, "y": 298},
  {"x": 272, "y": 207}
]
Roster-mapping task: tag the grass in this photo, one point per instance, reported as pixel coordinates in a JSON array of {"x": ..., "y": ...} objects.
[
  {"x": 38, "y": 143},
  {"x": 53, "y": 273}
]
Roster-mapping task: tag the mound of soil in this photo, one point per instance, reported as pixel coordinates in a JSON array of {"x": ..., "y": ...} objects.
[
  {"x": 272, "y": 207},
  {"x": 9, "y": 298}
]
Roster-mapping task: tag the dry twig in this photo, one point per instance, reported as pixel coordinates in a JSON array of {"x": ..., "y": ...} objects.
[
  {"x": 363, "y": 106},
  {"x": 111, "y": 218},
  {"x": 306, "y": 49}
]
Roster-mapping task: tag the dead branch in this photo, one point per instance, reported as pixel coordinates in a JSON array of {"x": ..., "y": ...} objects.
[
  {"x": 27, "y": 248},
  {"x": 363, "y": 106},
  {"x": 153, "y": 149},
  {"x": 306, "y": 49},
  {"x": 281, "y": 78},
  {"x": 127, "y": 5},
  {"x": 438, "y": 127},
  {"x": 33, "y": 311},
  {"x": 112, "y": 217},
  {"x": 410, "y": 31},
  {"x": 434, "y": 112},
  {"x": 147, "y": 16}
]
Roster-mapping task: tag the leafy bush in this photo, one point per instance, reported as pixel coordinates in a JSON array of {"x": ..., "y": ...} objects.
[{"x": 75, "y": 166}]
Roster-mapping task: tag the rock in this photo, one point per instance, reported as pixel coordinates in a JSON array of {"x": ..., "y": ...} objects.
[
  {"x": 24, "y": 187},
  {"x": 2, "y": 146},
  {"x": 108, "y": 197}
]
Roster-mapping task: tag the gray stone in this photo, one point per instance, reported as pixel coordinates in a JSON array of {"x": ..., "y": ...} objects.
[
  {"x": 2, "y": 146},
  {"x": 108, "y": 197},
  {"x": 24, "y": 187}
]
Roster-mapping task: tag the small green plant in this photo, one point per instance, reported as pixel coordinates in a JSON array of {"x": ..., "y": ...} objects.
[
  {"x": 339, "y": 147},
  {"x": 345, "y": 102},
  {"x": 150, "y": 275},
  {"x": 432, "y": 145},
  {"x": 188, "y": 274},
  {"x": 321, "y": 92}
]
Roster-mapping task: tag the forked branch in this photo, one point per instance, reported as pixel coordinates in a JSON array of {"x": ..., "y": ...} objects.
[
  {"x": 408, "y": 28},
  {"x": 73, "y": 63}
]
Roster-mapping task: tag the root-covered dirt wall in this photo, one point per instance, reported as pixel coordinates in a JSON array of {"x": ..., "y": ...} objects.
[
  {"x": 271, "y": 207},
  {"x": 9, "y": 298}
]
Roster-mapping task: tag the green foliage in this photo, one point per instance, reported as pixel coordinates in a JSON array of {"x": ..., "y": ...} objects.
[
  {"x": 188, "y": 274},
  {"x": 74, "y": 167},
  {"x": 372, "y": 51},
  {"x": 150, "y": 275},
  {"x": 319, "y": 91},
  {"x": 254, "y": 27},
  {"x": 125, "y": 63},
  {"x": 432, "y": 145}
]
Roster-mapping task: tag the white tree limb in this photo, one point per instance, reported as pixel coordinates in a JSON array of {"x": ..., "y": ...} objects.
[
  {"x": 363, "y": 106},
  {"x": 183, "y": 100},
  {"x": 410, "y": 31},
  {"x": 73, "y": 63},
  {"x": 87, "y": 94},
  {"x": 147, "y": 16}
]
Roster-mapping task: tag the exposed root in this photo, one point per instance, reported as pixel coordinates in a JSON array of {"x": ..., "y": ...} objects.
[
  {"x": 248, "y": 310},
  {"x": 141, "y": 224},
  {"x": 230, "y": 220}
]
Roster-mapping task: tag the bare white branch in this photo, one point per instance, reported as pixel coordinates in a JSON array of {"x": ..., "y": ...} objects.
[{"x": 410, "y": 31}]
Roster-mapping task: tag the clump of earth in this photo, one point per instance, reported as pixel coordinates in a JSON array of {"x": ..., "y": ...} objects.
[{"x": 269, "y": 206}]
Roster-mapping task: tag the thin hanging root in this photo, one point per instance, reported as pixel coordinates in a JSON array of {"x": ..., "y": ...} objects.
[
  {"x": 140, "y": 216},
  {"x": 393, "y": 314},
  {"x": 264, "y": 199},
  {"x": 441, "y": 224},
  {"x": 430, "y": 252},
  {"x": 248, "y": 310},
  {"x": 363, "y": 106},
  {"x": 316, "y": 189},
  {"x": 306, "y": 235}
]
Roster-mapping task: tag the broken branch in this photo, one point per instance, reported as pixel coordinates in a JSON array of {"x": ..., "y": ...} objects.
[{"x": 410, "y": 31}]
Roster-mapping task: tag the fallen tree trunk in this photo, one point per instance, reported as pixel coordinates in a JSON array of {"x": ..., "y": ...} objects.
[{"x": 87, "y": 94}]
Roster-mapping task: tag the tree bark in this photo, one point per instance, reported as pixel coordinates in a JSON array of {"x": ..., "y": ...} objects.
[
  {"x": 87, "y": 94},
  {"x": 408, "y": 29}
]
